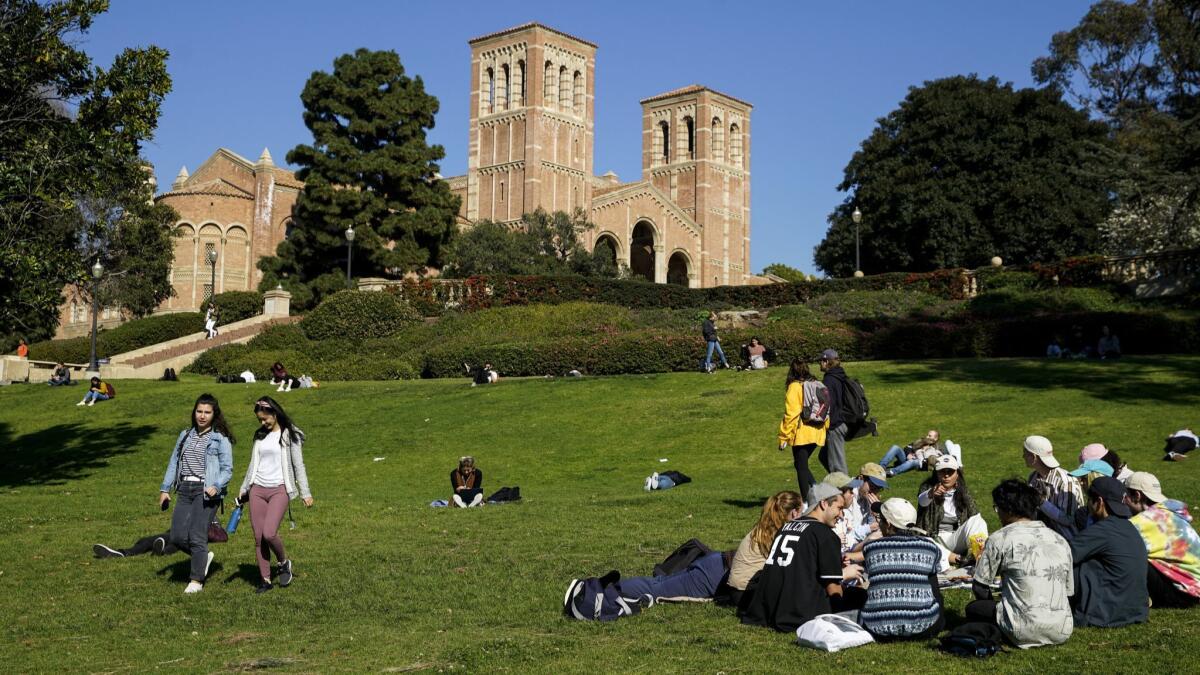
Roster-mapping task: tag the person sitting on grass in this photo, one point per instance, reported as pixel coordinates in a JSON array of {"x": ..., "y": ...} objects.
[
  {"x": 98, "y": 391},
  {"x": 1033, "y": 564},
  {"x": 842, "y": 528},
  {"x": 1061, "y": 494},
  {"x": 947, "y": 512},
  {"x": 279, "y": 376},
  {"x": 1109, "y": 345},
  {"x": 1179, "y": 444},
  {"x": 803, "y": 574},
  {"x": 755, "y": 354},
  {"x": 1107, "y": 556},
  {"x": 467, "y": 483},
  {"x": 859, "y": 520},
  {"x": 901, "y": 567},
  {"x": 61, "y": 375},
  {"x": 1172, "y": 545},
  {"x": 916, "y": 455}
]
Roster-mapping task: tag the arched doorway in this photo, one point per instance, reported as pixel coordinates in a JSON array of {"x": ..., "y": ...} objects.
[
  {"x": 606, "y": 245},
  {"x": 641, "y": 251},
  {"x": 677, "y": 269}
]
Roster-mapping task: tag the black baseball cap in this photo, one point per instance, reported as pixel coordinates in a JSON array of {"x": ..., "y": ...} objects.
[{"x": 1113, "y": 493}]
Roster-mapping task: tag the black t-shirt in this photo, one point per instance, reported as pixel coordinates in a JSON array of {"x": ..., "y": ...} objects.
[{"x": 790, "y": 590}]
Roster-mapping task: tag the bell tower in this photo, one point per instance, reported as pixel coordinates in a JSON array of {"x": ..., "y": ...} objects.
[{"x": 532, "y": 123}]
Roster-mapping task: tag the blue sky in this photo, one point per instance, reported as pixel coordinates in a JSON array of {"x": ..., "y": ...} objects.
[{"x": 818, "y": 75}]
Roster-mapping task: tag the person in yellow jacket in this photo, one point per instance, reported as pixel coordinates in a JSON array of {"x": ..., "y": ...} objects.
[{"x": 804, "y": 436}]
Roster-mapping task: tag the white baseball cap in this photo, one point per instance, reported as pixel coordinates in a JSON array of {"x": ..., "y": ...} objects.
[
  {"x": 900, "y": 513},
  {"x": 946, "y": 462},
  {"x": 1147, "y": 484},
  {"x": 1040, "y": 446}
]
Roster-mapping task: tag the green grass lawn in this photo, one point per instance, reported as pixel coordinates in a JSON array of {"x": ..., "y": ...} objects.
[{"x": 386, "y": 584}]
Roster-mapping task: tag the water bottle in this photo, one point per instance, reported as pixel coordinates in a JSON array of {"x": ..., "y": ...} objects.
[{"x": 234, "y": 518}]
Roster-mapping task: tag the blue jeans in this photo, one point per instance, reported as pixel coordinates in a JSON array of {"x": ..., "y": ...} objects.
[
  {"x": 903, "y": 463},
  {"x": 699, "y": 580},
  {"x": 665, "y": 483},
  {"x": 715, "y": 344},
  {"x": 95, "y": 396}
]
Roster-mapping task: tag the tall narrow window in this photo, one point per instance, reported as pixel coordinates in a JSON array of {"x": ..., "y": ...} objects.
[
  {"x": 549, "y": 90},
  {"x": 519, "y": 85},
  {"x": 578, "y": 94},
  {"x": 735, "y": 145},
  {"x": 564, "y": 90},
  {"x": 718, "y": 140},
  {"x": 501, "y": 190},
  {"x": 688, "y": 142},
  {"x": 490, "y": 83},
  {"x": 503, "y": 89},
  {"x": 664, "y": 132}
]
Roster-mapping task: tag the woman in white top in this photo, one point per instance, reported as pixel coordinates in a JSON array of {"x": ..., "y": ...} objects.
[{"x": 276, "y": 476}]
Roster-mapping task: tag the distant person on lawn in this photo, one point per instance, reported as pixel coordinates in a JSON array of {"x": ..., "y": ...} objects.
[
  {"x": 1109, "y": 345},
  {"x": 833, "y": 455},
  {"x": 1110, "y": 562},
  {"x": 61, "y": 375},
  {"x": 22, "y": 348},
  {"x": 276, "y": 476},
  {"x": 98, "y": 391},
  {"x": 1179, "y": 444},
  {"x": 199, "y": 471},
  {"x": 804, "y": 437},
  {"x": 756, "y": 354},
  {"x": 1062, "y": 494},
  {"x": 947, "y": 512},
  {"x": 1172, "y": 545},
  {"x": 485, "y": 374},
  {"x": 919, "y": 454},
  {"x": 210, "y": 321},
  {"x": 467, "y": 484},
  {"x": 279, "y": 376},
  {"x": 1033, "y": 564},
  {"x": 709, "y": 329}
]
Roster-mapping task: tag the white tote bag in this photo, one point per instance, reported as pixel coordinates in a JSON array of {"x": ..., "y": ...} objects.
[{"x": 832, "y": 633}]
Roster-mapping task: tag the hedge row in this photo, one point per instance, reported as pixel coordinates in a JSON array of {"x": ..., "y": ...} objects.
[
  {"x": 359, "y": 315},
  {"x": 236, "y": 305},
  {"x": 124, "y": 338}
]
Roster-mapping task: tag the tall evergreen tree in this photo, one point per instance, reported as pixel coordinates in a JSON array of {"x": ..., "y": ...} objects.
[{"x": 369, "y": 167}]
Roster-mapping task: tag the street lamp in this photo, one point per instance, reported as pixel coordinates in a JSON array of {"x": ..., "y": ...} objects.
[
  {"x": 212, "y": 284},
  {"x": 349, "y": 252},
  {"x": 97, "y": 272},
  {"x": 857, "y": 217}
]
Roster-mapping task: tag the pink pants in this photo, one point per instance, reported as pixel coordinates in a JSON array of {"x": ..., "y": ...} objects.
[{"x": 267, "y": 506}]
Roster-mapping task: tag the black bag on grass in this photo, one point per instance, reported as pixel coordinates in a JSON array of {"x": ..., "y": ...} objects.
[
  {"x": 976, "y": 639},
  {"x": 600, "y": 599},
  {"x": 505, "y": 494},
  {"x": 688, "y": 552}
]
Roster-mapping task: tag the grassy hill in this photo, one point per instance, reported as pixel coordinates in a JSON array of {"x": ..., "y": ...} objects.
[{"x": 385, "y": 583}]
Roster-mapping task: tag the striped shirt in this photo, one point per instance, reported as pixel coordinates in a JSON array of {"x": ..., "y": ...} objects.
[
  {"x": 901, "y": 600},
  {"x": 192, "y": 460}
]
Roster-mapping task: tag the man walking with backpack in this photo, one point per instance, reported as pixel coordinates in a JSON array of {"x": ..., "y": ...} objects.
[{"x": 833, "y": 455}]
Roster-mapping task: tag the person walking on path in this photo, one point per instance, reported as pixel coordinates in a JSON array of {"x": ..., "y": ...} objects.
[
  {"x": 709, "y": 328},
  {"x": 199, "y": 470},
  {"x": 833, "y": 455},
  {"x": 804, "y": 436},
  {"x": 276, "y": 475}
]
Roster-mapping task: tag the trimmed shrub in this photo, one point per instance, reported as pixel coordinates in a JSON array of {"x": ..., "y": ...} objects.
[
  {"x": 992, "y": 279},
  {"x": 236, "y": 305},
  {"x": 792, "y": 313},
  {"x": 871, "y": 304},
  {"x": 359, "y": 315},
  {"x": 1009, "y": 302},
  {"x": 280, "y": 336},
  {"x": 127, "y": 337}
]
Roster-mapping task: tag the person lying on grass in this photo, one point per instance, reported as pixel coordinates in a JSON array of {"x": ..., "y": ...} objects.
[
  {"x": 919, "y": 454},
  {"x": 156, "y": 544}
]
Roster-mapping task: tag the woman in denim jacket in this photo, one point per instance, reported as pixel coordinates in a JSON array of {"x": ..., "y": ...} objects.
[
  {"x": 276, "y": 476},
  {"x": 199, "y": 470}
]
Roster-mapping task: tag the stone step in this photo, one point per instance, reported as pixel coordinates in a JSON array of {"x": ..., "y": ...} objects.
[{"x": 200, "y": 344}]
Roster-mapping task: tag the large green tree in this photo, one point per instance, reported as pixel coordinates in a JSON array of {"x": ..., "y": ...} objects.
[
  {"x": 1136, "y": 65},
  {"x": 369, "y": 167},
  {"x": 543, "y": 243},
  {"x": 966, "y": 169},
  {"x": 69, "y": 132}
]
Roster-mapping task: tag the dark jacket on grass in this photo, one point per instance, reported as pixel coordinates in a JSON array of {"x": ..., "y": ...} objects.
[{"x": 833, "y": 382}]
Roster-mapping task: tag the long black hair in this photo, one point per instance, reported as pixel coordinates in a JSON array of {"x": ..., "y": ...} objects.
[
  {"x": 218, "y": 420},
  {"x": 797, "y": 372},
  {"x": 270, "y": 405}
]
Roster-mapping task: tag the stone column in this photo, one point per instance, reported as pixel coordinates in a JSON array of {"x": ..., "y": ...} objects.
[{"x": 277, "y": 302}]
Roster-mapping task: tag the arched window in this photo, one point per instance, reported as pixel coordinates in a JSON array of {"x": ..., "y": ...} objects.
[
  {"x": 735, "y": 145},
  {"x": 548, "y": 87},
  {"x": 687, "y": 143},
  {"x": 490, "y": 83},
  {"x": 519, "y": 85},
  {"x": 664, "y": 134},
  {"x": 578, "y": 79},
  {"x": 718, "y": 140},
  {"x": 502, "y": 89},
  {"x": 564, "y": 90}
]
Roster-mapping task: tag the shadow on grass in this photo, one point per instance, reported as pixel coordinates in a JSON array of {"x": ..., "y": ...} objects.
[
  {"x": 1131, "y": 379},
  {"x": 63, "y": 452},
  {"x": 247, "y": 572},
  {"x": 746, "y": 503}
]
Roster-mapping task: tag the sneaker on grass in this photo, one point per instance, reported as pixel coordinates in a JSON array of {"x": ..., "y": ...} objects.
[
  {"x": 193, "y": 587},
  {"x": 285, "y": 572},
  {"x": 102, "y": 551},
  {"x": 263, "y": 587},
  {"x": 208, "y": 564},
  {"x": 159, "y": 546}
]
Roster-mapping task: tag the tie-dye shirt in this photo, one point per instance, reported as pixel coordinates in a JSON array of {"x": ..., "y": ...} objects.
[{"x": 1173, "y": 547}]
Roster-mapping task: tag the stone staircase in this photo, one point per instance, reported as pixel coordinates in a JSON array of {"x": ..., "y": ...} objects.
[{"x": 150, "y": 362}]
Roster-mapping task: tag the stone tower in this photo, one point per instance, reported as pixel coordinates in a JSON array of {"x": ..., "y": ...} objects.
[
  {"x": 532, "y": 123},
  {"x": 696, "y": 150}
]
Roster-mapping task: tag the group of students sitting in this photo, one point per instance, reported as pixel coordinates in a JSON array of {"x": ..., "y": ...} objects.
[{"x": 1097, "y": 546}]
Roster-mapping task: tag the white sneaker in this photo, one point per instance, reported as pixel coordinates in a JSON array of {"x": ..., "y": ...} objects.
[
  {"x": 193, "y": 587},
  {"x": 649, "y": 483},
  {"x": 207, "y": 565},
  {"x": 91, "y": 403},
  {"x": 82, "y": 403},
  {"x": 280, "y": 388}
]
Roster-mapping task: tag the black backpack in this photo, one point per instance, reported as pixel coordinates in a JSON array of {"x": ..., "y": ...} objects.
[
  {"x": 169, "y": 375},
  {"x": 854, "y": 401},
  {"x": 600, "y": 599},
  {"x": 505, "y": 494},
  {"x": 688, "y": 552},
  {"x": 976, "y": 639}
]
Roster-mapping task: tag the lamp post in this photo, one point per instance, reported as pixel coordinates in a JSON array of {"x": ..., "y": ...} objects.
[
  {"x": 857, "y": 217},
  {"x": 212, "y": 284},
  {"x": 349, "y": 253},
  {"x": 97, "y": 272}
]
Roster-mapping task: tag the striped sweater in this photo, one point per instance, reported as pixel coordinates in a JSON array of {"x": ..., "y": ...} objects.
[{"x": 902, "y": 598}]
